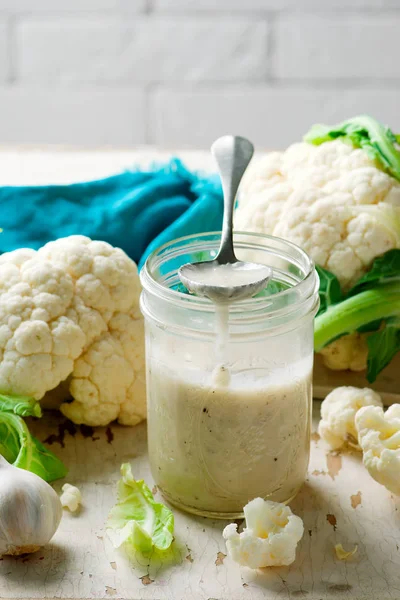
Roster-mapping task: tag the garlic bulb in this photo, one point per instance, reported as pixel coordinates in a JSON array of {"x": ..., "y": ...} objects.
[{"x": 30, "y": 511}]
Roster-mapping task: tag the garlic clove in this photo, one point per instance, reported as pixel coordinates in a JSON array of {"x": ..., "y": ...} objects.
[{"x": 30, "y": 511}]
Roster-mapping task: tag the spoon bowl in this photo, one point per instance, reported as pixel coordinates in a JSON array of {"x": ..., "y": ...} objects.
[
  {"x": 225, "y": 283},
  {"x": 226, "y": 279}
]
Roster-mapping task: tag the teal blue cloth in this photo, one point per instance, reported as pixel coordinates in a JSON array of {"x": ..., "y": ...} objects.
[{"x": 136, "y": 210}]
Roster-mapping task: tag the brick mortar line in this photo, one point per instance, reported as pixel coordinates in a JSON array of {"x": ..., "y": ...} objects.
[
  {"x": 143, "y": 15},
  {"x": 150, "y": 13},
  {"x": 150, "y": 8},
  {"x": 72, "y": 14},
  {"x": 12, "y": 51},
  {"x": 307, "y": 11},
  {"x": 340, "y": 12},
  {"x": 271, "y": 46},
  {"x": 150, "y": 88},
  {"x": 281, "y": 84},
  {"x": 149, "y": 131}
]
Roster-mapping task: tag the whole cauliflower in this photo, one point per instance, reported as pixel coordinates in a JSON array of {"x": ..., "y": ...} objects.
[
  {"x": 70, "y": 311},
  {"x": 333, "y": 201},
  {"x": 379, "y": 438},
  {"x": 270, "y": 537},
  {"x": 338, "y": 412}
]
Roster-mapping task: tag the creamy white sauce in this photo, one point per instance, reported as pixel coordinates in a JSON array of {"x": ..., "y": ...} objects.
[
  {"x": 222, "y": 333},
  {"x": 217, "y": 440}
]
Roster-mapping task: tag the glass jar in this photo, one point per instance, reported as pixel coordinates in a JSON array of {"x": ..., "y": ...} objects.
[{"x": 220, "y": 435}]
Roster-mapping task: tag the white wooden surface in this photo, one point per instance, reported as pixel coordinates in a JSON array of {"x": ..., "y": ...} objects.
[{"x": 81, "y": 563}]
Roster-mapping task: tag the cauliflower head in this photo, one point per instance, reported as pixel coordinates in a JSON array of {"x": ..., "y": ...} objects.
[
  {"x": 338, "y": 411},
  {"x": 379, "y": 438},
  {"x": 335, "y": 202},
  {"x": 332, "y": 200},
  {"x": 270, "y": 537},
  {"x": 70, "y": 311}
]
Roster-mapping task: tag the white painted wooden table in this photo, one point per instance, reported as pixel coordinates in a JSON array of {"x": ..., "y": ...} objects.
[{"x": 339, "y": 503}]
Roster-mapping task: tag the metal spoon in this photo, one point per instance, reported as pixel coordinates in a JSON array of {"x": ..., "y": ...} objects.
[{"x": 227, "y": 279}]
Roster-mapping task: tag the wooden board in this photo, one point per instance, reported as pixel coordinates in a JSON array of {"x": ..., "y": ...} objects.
[
  {"x": 387, "y": 383},
  {"x": 339, "y": 503}
]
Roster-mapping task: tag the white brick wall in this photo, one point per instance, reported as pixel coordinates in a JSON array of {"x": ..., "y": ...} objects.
[
  {"x": 88, "y": 116},
  {"x": 143, "y": 50},
  {"x": 271, "y": 117},
  {"x": 181, "y": 72},
  {"x": 329, "y": 47}
]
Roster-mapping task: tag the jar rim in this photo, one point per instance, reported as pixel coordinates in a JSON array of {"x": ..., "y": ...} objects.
[{"x": 303, "y": 289}]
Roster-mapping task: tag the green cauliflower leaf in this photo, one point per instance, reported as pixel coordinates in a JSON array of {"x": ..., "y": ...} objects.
[
  {"x": 24, "y": 406},
  {"x": 377, "y": 140},
  {"x": 137, "y": 520},
  {"x": 20, "y": 448}
]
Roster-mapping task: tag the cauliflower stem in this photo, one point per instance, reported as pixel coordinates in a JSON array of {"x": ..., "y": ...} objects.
[
  {"x": 371, "y": 308},
  {"x": 355, "y": 312}
]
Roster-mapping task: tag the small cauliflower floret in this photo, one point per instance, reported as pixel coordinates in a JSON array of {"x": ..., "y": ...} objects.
[
  {"x": 338, "y": 412},
  {"x": 348, "y": 352},
  {"x": 379, "y": 438},
  {"x": 270, "y": 537},
  {"x": 71, "y": 497},
  {"x": 70, "y": 312}
]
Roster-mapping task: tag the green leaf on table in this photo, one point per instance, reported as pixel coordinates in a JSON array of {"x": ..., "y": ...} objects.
[
  {"x": 329, "y": 289},
  {"x": 382, "y": 347},
  {"x": 137, "y": 520},
  {"x": 20, "y": 448},
  {"x": 24, "y": 406}
]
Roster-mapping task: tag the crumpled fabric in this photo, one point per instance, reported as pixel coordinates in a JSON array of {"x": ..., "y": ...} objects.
[{"x": 138, "y": 210}]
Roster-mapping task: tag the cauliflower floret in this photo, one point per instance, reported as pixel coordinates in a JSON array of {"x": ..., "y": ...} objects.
[
  {"x": 348, "y": 352},
  {"x": 38, "y": 343},
  {"x": 71, "y": 497},
  {"x": 270, "y": 537},
  {"x": 339, "y": 236},
  {"x": 379, "y": 438},
  {"x": 70, "y": 311},
  {"x": 332, "y": 200},
  {"x": 338, "y": 411}
]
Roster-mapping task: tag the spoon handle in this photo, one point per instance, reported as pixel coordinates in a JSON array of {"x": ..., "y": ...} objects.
[{"x": 232, "y": 155}]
